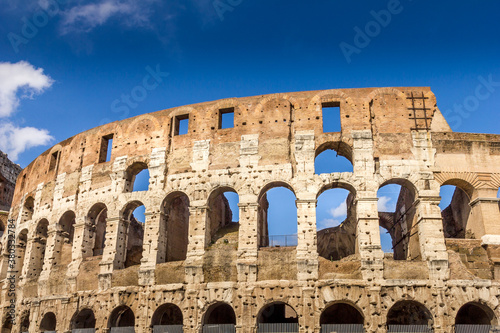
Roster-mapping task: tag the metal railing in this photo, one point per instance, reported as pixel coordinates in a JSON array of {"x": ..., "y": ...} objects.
[
  {"x": 342, "y": 328},
  {"x": 219, "y": 328},
  {"x": 409, "y": 329},
  {"x": 278, "y": 328},
  {"x": 83, "y": 330},
  {"x": 283, "y": 240},
  {"x": 122, "y": 329},
  {"x": 167, "y": 329},
  {"x": 473, "y": 328}
]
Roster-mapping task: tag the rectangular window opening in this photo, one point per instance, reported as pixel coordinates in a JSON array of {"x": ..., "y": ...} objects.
[
  {"x": 181, "y": 124},
  {"x": 106, "y": 148},
  {"x": 226, "y": 118},
  {"x": 54, "y": 161},
  {"x": 331, "y": 117}
]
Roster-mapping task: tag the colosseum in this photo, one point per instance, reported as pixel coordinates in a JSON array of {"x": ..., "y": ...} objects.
[{"x": 84, "y": 263}]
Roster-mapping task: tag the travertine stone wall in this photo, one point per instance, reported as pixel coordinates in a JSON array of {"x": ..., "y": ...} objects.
[{"x": 274, "y": 142}]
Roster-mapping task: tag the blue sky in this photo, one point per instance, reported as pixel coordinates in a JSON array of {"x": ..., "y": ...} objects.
[{"x": 79, "y": 57}]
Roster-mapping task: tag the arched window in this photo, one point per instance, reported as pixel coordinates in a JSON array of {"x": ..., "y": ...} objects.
[
  {"x": 220, "y": 317},
  {"x": 333, "y": 157},
  {"x": 336, "y": 224},
  {"x": 341, "y": 317},
  {"x": 277, "y": 217},
  {"x": 24, "y": 323},
  {"x": 122, "y": 317},
  {"x": 474, "y": 313},
  {"x": 38, "y": 250},
  {"x": 134, "y": 214},
  {"x": 277, "y": 315},
  {"x": 64, "y": 249},
  {"x": 48, "y": 323},
  {"x": 455, "y": 211},
  {"x": 98, "y": 215},
  {"x": 137, "y": 177},
  {"x": 410, "y": 314},
  {"x": 174, "y": 232},
  {"x": 83, "y": 319},
  {"x": 397, "y": 215},
  {"x": 167, "y": 316},
  {"x": 28, "y": 209},
  {"x": 223, "y": 215},
  {"x": 7, "y": 324},
  {"x": 22, "y": 240}
]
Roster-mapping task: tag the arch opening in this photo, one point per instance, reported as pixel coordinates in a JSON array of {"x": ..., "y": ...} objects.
[
  {"x": 333, "y": 157},
  {"x": 22, "y": 241},
  {"x": 341, "y": 315},
  {"x": 409, "y": 313},
  {"x": 2, "y": 229},
  {"x": 220, "y": 314},
  {"x": 38, "y": 250},
  {"x": 167, "y": 315},
  {"x": 122, "y": 316},
  {"x": 277, "y": 313},
  {"x": 24, "y": 324},
  {"x": 28, "y": 209},
  {"x": 455, "y": 212},
  {"x": 64, "y": 248},
  {"x": 475, "y": 314},
  {"x": 83, "y": 319},
  {"x": 398, "y": 220},
  {"x": 223, "y": 215},
  {"x": 174, "y": 232},
  {"x": 336, "y": 222},
  {"x": 134, "y": 215},
  {"x": 277, "y": 217},
  {"x": 48, "y": 323},
  {"x": 97, "y": 216},
  {"x": 7, "y": 324},
  {"x": 137, "y": 177}
]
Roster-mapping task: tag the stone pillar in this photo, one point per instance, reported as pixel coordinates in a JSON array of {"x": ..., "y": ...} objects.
[
  {"x": 81, "y": 249},
  {"x": 150, "y": 253},
  {"x": 307, "y": 247},
  {"x": 52, "y": 248},
  {"x": 368, "y": 237},
  {"x": 115, "y": 250},
  {"x": 485, "y": 214},
  {"x": 199, "y": 237},
  {"x": 248, "y": 244},
  {"x": 431, "y": 237}
]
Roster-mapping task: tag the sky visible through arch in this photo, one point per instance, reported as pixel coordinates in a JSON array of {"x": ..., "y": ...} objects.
[{"x": 67, "y": 66}]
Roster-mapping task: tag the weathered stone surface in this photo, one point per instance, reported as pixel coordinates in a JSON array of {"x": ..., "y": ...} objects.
[{"x": 81, "y": 251}]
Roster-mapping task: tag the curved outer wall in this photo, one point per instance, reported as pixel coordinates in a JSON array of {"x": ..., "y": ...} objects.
[{"x": 274, "y": 142}]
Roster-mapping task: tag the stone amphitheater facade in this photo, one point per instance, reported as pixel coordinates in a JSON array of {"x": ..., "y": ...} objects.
[{"x": 83, "y": 261}]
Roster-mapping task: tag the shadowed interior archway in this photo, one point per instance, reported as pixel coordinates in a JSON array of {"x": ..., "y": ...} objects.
[
  {"x": 84, "y": 318},
  {"x": 122, "y": 316},
  {"x": 475, "y": 313}
]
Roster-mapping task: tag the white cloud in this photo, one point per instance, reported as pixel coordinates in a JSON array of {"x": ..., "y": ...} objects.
[
  {"x": 15, "y": 140},
  {"x": 328, "y": 223},
  {"x": 383, "y": 204},
  {"x": 84, "y": 18},
  {"x": 23, "y": 77},
  {"x": 340, "y": 210}
]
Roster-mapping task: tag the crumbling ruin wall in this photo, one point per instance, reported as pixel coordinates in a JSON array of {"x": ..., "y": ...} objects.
[{"x": 190, "y": 256}]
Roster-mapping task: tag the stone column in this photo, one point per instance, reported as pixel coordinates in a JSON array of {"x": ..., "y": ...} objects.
[
  {"x": 248, "y": 244},
  {"x": 115, "y": 250},
  {"x": 368, "y": 237},
  {"x": 150, "y": 252},
  {"x": 52, "y": 247},
  {"x": 307, "y": 247},
  {"x": 199, "y": 237},
  {"x": 431, "y": 237},
  {"x": 485, "y": 214},
  {"x": 81, "y": 249}
]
